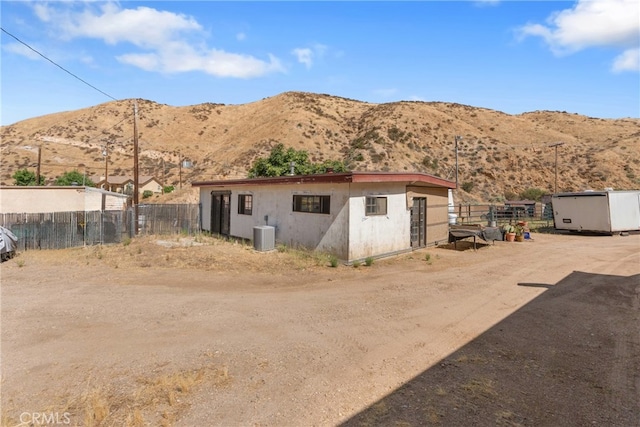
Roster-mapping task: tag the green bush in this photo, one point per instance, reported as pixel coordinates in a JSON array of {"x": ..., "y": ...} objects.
[
  {"x": 74, "y": 178},
  {"x": 468, "y": 186},
  {"x": 333, "y": 261},
  {"x": 23, "y": 177},
  {"x": 533, "y": 194},
  {"x": 146, "y": 194},
  {"x": 368, "y": 261}
]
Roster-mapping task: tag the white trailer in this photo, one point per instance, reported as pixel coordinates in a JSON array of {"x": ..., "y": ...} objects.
[{"x": 597, "y": 211}]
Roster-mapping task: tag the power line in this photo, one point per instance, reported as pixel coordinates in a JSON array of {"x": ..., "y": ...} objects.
[{"x": 57, "y": 65}]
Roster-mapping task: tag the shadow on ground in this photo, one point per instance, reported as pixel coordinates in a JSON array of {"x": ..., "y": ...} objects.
[{"x": 570, "y": 357}]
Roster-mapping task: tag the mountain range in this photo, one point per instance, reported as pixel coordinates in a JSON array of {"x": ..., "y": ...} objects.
[{"x": 498, "y": 155}]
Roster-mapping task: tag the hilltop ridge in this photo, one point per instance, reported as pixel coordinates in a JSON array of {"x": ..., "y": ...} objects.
[{"x": 499, "y": 154}]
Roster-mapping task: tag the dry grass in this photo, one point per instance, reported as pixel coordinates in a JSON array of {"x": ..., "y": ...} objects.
[
  {"x": 480, "y": 387},
  {"x": 156, "y": 400}
]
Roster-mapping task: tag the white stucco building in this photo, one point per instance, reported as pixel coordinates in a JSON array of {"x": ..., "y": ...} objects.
[
  {"x": 45, "y": 199},
  {"x": 352, "y": 215}
]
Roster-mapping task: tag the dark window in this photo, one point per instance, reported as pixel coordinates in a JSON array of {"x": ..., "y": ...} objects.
[
  {"x": 312, "y": 204},
  {"x": 376, "y": 206},
  {"x": 245, "y": 204}
]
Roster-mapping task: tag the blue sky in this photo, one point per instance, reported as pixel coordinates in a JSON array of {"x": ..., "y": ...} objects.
[{"x": 512, "y": 56}]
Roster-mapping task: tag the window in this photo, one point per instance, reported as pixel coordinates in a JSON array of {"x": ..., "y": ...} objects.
[
  {"x": 376, "y": 206},
  {"x": 312, "y": 204},
  {"x": 245, "y": 204}
]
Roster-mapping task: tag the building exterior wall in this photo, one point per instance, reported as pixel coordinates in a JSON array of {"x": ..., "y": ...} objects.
[
  {"x": 273, "y": 205},
  {"x": 374, "y": 235},
  {"x": 153, "y": 186},
  {"x": 347, "y": 232},
  {"x": 20, "y": 199},
  {"x": 437, "y": 212}
]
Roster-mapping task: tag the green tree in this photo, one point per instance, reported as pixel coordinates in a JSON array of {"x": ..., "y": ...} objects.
[
  {"x": 74, "y": 178},
  {"x": 280, "y": 160},
  {"x": 168, "y": 189},
  {"x": 23, "y": 177},
  {"x": 533, "y": 194}
]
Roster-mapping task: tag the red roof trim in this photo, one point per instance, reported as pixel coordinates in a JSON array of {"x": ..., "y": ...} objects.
[{"x": 415, "y": 178}]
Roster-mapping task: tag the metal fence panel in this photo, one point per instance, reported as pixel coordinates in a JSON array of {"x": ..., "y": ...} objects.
[
  {"x": 169, "y": 219},
  {"x": 60, "y": 230}
]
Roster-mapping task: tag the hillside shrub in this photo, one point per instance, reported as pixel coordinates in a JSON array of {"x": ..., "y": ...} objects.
[
  {"x": 468, "y": 186},
  {"x": 533, "y": 194}
]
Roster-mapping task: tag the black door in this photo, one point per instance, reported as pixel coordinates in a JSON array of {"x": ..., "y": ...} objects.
[
  {"x": 419, "y": 222},
  {"x": 220, "y": 213}
]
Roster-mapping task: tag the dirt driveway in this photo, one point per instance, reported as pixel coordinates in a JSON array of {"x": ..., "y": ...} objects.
[{"x": 186, "y": 333}]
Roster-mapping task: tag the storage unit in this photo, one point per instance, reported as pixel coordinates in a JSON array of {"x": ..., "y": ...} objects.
[{"x": 597, "y": 211}]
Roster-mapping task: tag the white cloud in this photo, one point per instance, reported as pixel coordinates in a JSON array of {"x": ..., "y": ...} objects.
[
  {"x": 629, "y": 60},
  {"x": 168, "y": 42},
  {"x": 20, "y": 49},
  {"x": 304, "y": 55},
  {"x": 590, "y": 23},
  {"x": 308, "y": 55},
  {"x": 241, "y": 36}
]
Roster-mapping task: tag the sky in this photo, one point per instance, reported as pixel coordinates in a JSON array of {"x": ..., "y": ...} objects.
[{"x": 512, "y": 56}]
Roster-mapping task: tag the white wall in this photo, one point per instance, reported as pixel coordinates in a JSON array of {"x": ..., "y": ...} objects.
[
  {"x": 316, "y": 231},
  {"x": 57, "y": 199},
  {"x": 625, "y": 210},
  {"x": 378, "y": 234},
  {"x": 347, "y": 231}
]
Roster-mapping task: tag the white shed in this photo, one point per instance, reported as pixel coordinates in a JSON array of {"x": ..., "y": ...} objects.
[
  {"x": 45, "y": 199},
  {"x": 352, "y": 215},
  {"x": 597, "y": 211}
]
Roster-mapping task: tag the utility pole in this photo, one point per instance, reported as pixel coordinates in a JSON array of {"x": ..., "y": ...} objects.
[
  {"x": 38, "y": 168},
  {"x": 457, "y": 138},
  {"x": 556, "y": 145},
  {"x": 164, "y": 179},
  {"x": 135, "y": 166},
  {"x": 105, "y": 153}
]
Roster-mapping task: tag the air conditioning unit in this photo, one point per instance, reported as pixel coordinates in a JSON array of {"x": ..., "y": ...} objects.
[{"x": 264, "y": 238}]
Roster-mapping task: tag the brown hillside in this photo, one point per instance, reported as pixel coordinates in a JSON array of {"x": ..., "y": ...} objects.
[{"x": 499, "y": 154}]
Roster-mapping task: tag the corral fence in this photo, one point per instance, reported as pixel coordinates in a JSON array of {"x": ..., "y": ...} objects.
[
  {"x": 60, "y": 230},
  {"x": 502, "y": 214}
]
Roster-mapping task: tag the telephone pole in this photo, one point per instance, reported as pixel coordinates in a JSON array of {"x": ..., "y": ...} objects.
[
  {"x": 38, "y": 168},
  {"x": 135, "y": 166},
  {"x": 556, "y": 145},
  {"x": 457, "y": 138},
  {"x": 105, "y": 153}
]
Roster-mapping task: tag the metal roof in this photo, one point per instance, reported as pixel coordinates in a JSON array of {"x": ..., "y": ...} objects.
[{"x": 412, "y": 178}]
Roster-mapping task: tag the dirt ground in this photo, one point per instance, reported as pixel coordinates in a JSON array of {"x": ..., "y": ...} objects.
[{"x": 206, "y": 332}]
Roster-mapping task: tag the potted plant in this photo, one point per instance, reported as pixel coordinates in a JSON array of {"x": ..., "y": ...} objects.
[
  {"x": 509, "y": 233},
  {"x": 519, "y": 233}
]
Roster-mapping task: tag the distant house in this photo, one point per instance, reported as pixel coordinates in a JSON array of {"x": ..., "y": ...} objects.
[
  {"x": 22, "y": 199},
  {"x": 124, "y": 184},
  {"x": 352, "y": 215}
]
